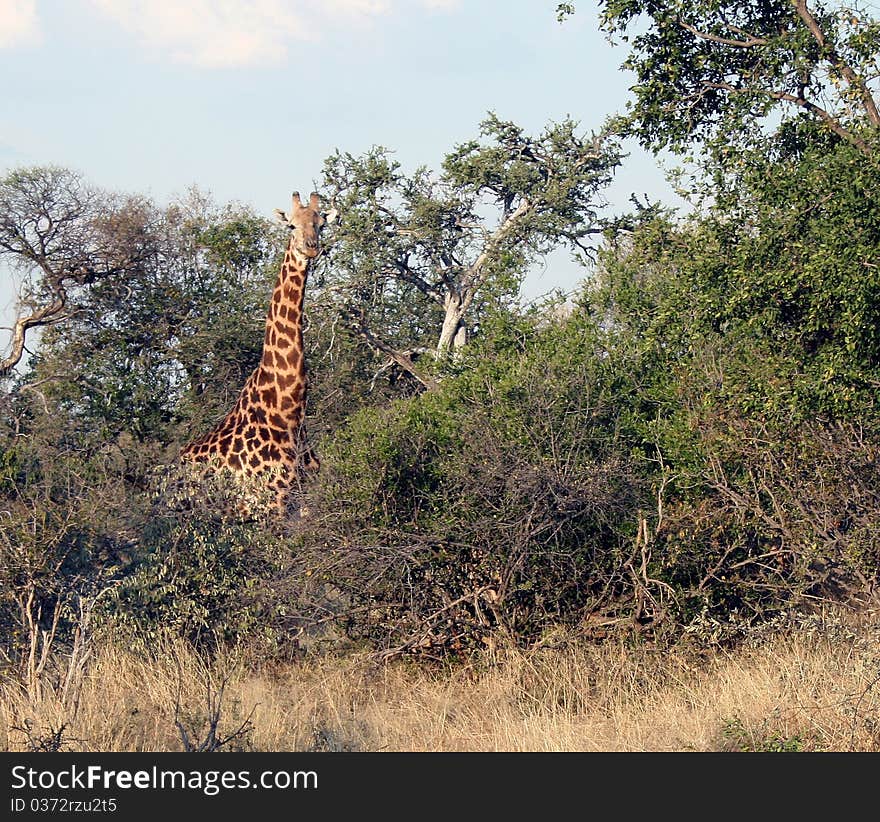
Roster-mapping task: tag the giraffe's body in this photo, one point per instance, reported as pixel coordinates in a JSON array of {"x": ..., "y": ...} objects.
[{"x": 264, "y": 434}]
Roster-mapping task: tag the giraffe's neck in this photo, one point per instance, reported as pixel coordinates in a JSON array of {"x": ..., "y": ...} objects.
[{"x": 282, "y": 366}]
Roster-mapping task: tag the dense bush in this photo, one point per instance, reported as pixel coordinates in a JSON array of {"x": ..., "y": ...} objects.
[{"x": 505, "y": 501}]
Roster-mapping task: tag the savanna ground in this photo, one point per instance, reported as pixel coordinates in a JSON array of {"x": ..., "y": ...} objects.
[{"x": 809, "y": 686}]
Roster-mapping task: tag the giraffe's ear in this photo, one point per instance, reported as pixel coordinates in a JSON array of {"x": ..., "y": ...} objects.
[
  {"x": 331, "y": 216},
  {"x": 281, "y": 216}
]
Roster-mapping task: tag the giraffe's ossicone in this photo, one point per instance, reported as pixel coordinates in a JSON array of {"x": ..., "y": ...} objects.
[{"x": 262, "y": 440}]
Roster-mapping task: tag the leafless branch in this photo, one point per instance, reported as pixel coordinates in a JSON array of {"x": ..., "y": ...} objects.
[
  {"x": 749, "y": 41},
  {"x": 46, "y": 315},
  {"x": 400, "y": 357}
]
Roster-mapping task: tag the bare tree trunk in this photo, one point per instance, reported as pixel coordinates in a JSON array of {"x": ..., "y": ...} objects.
[
  {"x": 453, "y": 333},
  {"x": 45, "y": 315}
]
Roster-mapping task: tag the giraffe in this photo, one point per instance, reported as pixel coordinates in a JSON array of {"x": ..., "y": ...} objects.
[{"x": 264, "y": 434}]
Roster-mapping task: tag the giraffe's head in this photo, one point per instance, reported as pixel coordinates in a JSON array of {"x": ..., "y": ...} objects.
[{"x": 306, "y": 222}]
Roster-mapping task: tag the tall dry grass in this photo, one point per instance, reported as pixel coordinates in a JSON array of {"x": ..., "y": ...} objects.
[{"x": 811, "y": 688}]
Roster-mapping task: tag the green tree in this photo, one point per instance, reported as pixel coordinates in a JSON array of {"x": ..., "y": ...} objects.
[
  {"x": 708, "y": 72},
  {"x": 164, "y": 348},
  {"x": 745, "y": 344},
  {"x": 417, "y": 260}
]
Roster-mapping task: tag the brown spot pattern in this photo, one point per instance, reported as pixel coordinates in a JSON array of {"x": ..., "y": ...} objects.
[{"x": 259, "y": 432}]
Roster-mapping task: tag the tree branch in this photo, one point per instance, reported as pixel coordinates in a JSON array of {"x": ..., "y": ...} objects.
[
  {"x": 799, "y": 100},
  {"x": 46, "y": 315},
  {"x": 401, "y": 358},
  {"x": 838, "y": 62},
  {"x": 476, "y": 274},
  {"x": 459, "y": 297},
  {"x": 749, "y": 42},
  {"x": 409, "y": 276}
]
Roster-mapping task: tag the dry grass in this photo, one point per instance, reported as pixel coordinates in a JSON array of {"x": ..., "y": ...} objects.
[{"x": 813, "y": 688}]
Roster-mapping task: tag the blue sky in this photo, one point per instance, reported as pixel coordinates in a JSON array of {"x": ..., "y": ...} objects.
[{"x": 245, "y": 98}]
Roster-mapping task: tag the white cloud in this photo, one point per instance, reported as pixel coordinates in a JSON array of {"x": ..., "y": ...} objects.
[
  {"x": 229, "y": 33},
  {"x": 211, "y": 33},
  {"x": 441, "y": 5},
  {"x": 19, "y": 25},
  {"x": 344, "y": 8}
]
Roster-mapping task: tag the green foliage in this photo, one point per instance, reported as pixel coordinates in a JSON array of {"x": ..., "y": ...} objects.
[
  {"x": 564, "y": 10},
  {"x": 418, "y": 260},
  {"x": 145, "y": 352},
  {"x": 503, "y": 502},
  {"x": 690, "y": 447},
  {"x": 711, "y": 73},
  {"x": 560, "y": 173},
  {"x": 814, "y": 229},
  {"x": 736, "y": 737},
  {"x": 192, "y": 580},
  {"x": 748, "y": 335},
  {"x": 62, "y": 541}
]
